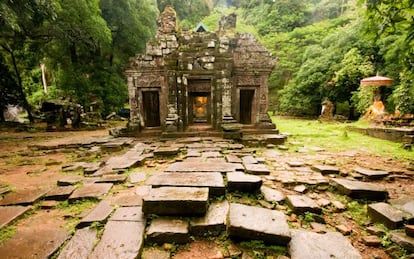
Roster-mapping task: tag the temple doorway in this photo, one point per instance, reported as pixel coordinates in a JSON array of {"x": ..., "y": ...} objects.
[
  {"x": 151, "y": 103},
  {"x": 246, "y": 104},
  {"x": 200, "y": 108}
]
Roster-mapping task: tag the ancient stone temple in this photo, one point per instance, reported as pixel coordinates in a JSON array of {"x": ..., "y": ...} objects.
[{"x": 191, "y": 78}]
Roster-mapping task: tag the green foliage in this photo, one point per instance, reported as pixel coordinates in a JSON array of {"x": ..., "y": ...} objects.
[
  {"x": 261, "y": 250},
  {"x": 404, "y": 94},
  {"x": 362, "y": 99},
  {"x": 188, "y": 11},
  {"x": 7, "y": 233}
]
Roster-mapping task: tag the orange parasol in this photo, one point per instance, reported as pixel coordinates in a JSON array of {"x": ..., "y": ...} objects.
[{"x": 376, "y": 81}]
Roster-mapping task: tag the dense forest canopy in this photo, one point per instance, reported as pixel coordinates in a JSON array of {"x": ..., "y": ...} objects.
[{"x": 78, "y": 49}]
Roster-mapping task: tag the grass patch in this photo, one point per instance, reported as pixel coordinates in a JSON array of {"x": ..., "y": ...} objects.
[
  {"x": 7, "y": 233},
  {"x": 334, "y": 137},
  {"x": 258, "y": 249}
]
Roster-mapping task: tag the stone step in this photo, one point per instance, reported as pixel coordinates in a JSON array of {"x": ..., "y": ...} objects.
[
  {"x": 257, "y": 169},
  {"x": 10, "y": 213},
  {"x": 254, "y": 223},
  {"x": 329, "y": 245},
  {"x": 129, "y": 214},
  {"x": 94, "y": 191},
  {"x": 80, "y": 245},
  {"x": 176, "y": 201},
  {"x": 386, "y": 214},
  {"x": 60, "y": 193},
  {"x": 403, "y": 240},
  {"x": 361, "y": 190},
  {"x": 213, "y": 222},
  {"x": 302, "y": 203},
  {"x": 238, "y": 181},
  {"x": 23, "y": 197},
  {"x": 98, "y": 214},
  {"x": 371, "y": 174},
  {"x": 326, "y": 169},
  {"x": 120, "y": 239},
  {"x": 168, "y": 230},
  {"x": 213, "y": 181}
]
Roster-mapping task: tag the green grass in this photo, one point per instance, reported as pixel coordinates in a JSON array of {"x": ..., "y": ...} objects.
[
  {"x": 334, "y": 137},
  {"x": 7, "y": 233}
]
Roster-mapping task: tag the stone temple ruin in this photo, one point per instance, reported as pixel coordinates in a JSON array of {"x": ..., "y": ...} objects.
[{"x": 216, "y": 81}]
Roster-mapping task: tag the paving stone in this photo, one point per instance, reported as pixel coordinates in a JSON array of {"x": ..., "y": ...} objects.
[
  {"x": 409, "y": 230},
  {"x": 253, "y": 223},
  {"x": 168, "y": 230},
  {"x": 249, "y": 160},
  {"x": 126, "y": 198},
  {"x": 329, "y": 245},
  {"x": 48, "y": 204},
  {"x": 406, "y": 205},
  {"x": 257, "y": 169},
  {"x": 23, "y": 197},
  {"x": 282, "y": 147},
  {"x": 233, "y": 159},
  {"x": 143, "y": 190},
  {"x": 34, "y": 242},
  {"x": 129, "y": 214},
  {"x": 403, "y": 240},
  {"x": 80, "y": 245},
  {"x": 339, "y": 206},
  {"x": 120, "y": 239},
  {"x": 155, "y": 253},
  {"x": 295, "y": 164},
  {"x": 213, "y": 181},
  {"x": 98, "y": 214},
  {"x": 300, "y": 188},
  {"x": 386, "y": 214},
  {"x": 222, "y": 167},
  {"x": 112, "y": 178},
  {"x": 137, "y": 177},
  {"x": 126, "y": 161},
  {"x": 193, "y": 153},
  {"x": 374, "y": 230},
  {"x": 166, "y": 151},
  {"x": 213, "y": 154},
  {"x": 326, "y": 169},
  {"x": 95, "y": 190},
  {"x": 371, "y": 174},
  {"x": 213, "y": 222},
  {"x": 302, "y": 203},
  {"x": 176, "y": 201},
  {"x": 70, "y": 180},
  {"x": 300, "y": 177},
  {"x": 60, "y": 193},
  {"x": 345, "y": 230},
  {"x": 361, "y": 190},
  {"x": 272, "y": 195},
  {"x": 371, "y": 240},
  {"x": 319, "y": 228},
  {"x": 10, "y": 213},
  {"x": 238, "y": 181}
]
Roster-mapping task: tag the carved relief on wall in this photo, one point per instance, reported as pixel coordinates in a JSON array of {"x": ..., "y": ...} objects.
[
  {"x": 149, "y": 80},
  {"x": 248, "y": 81}
]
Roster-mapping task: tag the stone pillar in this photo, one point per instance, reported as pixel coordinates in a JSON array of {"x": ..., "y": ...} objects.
[
  {"x": 265, "y": 121},
  {"x": 134, "y": 120},
  {"x": 172, "y": 120},
  {"x": 227, "y": 101}
]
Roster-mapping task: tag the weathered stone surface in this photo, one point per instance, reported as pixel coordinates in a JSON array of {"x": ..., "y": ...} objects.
[
  {"x": 249, "y": 160},
  {"x": 329, "y": 245},
  {"x": 137, "y": 177},
  {"x": 233, "y": 159},
  {"x": 112, "y": 178},
  {"x": 94, "y": 190},
  {"x": 302, "y": 203},
  {"x": 48, "y": 204},
  {"x": 301, "y": 177},
  {"x": 326, "y": 169},
  {"x": 213, "y": 181},
  {"x": 10, "y": 213},
  {"x": 406, "y": 205},
  {"x": 120, "y": 239},
  {"x": 213, "y": 222},
  {"x": 238, "y": 181},
  {"x": 176, "y": 201},
  {"x": 403, "y": 240},
  {"x": 129, "y": 214},
  {"x": 371, "y": 174},
  {"x": 60, "y": 193},
  {"x": 166, "y": 151},
  {"x": 386, "y": 214},
  {"x": 319, "y": 228},
  {"x": 409, "y": 230},
  {"x": 163, "y": 230},
  {"x": 70, "y": 180},
  {"x": 255, "y": 223},
  {"x": 221, "y": 167},
  {"x": 300, "y": 188},
  {"x": 81, "y": 244},
  {"x": 257, "y": 169},
  {"x": 338, "y": 206},
  {"x": 371, "y": 240},
  {"x": 361, "y": 190},
  {"x": 211, "y": 154},
  {"x": 98, "y": 214},
  {"x": 33, "y": 242},
  {"x": 126, "y": 161},
  {"x": 272, "y": 195},
  {"x": 23, "y": 197},
  {"x": 4, "y": 189},
  {"x": 155, "y": 253},
  {"x": 295, "y": 164},
  {"x": 344, "y": 229}
]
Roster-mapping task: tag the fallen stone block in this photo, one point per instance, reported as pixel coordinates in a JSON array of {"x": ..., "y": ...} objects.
[
  {"x": 257, "y": 169},
  {"x": 403, "y": 240},
  {"x": 95, "y": 190},
  {"x": 98, "y": 214},
  {"x": 326, "y": 169},
  {"x": 60, "y": 193},
  {"x": 272, "y": 195},
  {"x": 386, "y": 214},
  {"x": 302, "y": 203},
  {"x": 80, "y": 245},
  {"x": 10, "y": 213},
  {"x": 23, "y": 197},
  {"x": 371, "y": 174},
  {"x": 361, "y": 190},
  {"x": 129, "y": 214},
  {"x": 238, "y": 181},
  {"x": 213, "y": 222},
  {"x": 168, "y": 230}
]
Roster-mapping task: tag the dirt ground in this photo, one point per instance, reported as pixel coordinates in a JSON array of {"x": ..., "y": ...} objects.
[{"x": 22, "y": 167}]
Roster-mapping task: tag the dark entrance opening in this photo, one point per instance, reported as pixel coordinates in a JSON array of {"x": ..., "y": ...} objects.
[
  {"x": 151, "y": 103},
  {"x": 246, "y": 104},
  {"x": 200, "y": 108}
]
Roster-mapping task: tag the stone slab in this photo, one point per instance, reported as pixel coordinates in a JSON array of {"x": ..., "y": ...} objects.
[
  {"x": 386, "y": 214},
  {"x": 211, "y": 154},
  {"x": 95, "y": 190},
  {"x": 176, "y": 201},
  {"x": 233, "y": 159},
  {"x": 221, "y": 167},
  {"x": 272, "y": 195},
  {"x": 406, "y": 205},
  {"x": 249, "y": 160},
  {"x": 213, "y": 222},
  {"x": 98, "y": 214},
  {"x": 257, "y": 169},
  {"x": 213, "y": 181},
  {"x": 60, "y": 193},
  {"x": 166, "y": 151},
  {"x": 371, "y": 174},
  {"x": 403, "y": 240},
  {"x": 10, "y": 213},
  {"x": 361, "y": 190},
  {"x": 238, "y": 181},
  {"x": 163, "y": 230},
  {"x": 129, "y": 214},
  {"x": 112, "y": 178},
  {"x": 302, "y": 203},
  {"x": 137, "y": 177},
  {"x": 254, "y": 223},
  {"x": 120, "y": 239},
  {"x": 70, "y": 180},
  {"x": 300, "y": 177},
  {"x": 326, "y": 169},
  {"x": 80, "y": 245},
  {"x": 126, "y": 161},
  {"x": 329, "y": 245},
  {"x": 48, "y": 204},
  {"x": 23, "y": 197},
  {"x": 409, "y": 230},
  {"x": 295, "y": 164}
]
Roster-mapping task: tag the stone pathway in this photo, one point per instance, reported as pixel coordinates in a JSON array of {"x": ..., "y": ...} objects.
[{"x": 203, "y": 187}]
